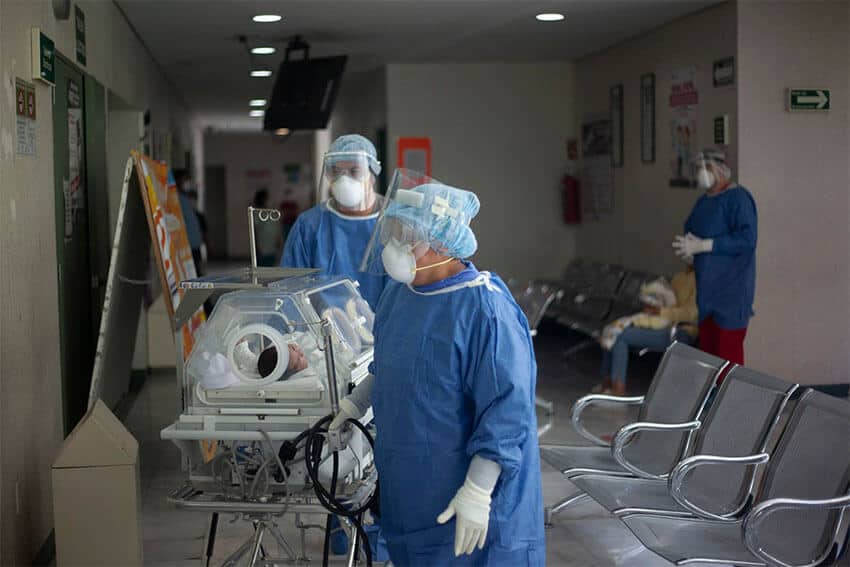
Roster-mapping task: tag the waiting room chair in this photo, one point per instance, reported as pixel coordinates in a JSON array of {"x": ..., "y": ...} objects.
[
  {"x": 664, "y": 428},
  {"x": 799, "y": 513},
  {"x": 740, "y": 422}
]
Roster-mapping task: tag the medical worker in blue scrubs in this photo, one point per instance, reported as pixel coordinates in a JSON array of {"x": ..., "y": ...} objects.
[
  {"x": 720, "y": 238},
  {"x": 333, "y": 235},
  {"x": 452, "y": 388}
]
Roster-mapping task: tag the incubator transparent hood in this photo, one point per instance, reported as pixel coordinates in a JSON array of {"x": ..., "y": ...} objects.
[{"x": 261, "y": 362}]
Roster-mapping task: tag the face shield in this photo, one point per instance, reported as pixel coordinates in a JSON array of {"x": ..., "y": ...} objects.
[
  {"x": 346, "y": 177},
  {"x": 420, "y": 214},
  {"x": 710, "y": 168},
  {"x": 392, "y": 229}
]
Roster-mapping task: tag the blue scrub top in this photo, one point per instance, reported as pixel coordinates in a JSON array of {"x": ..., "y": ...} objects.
[
  {"x": 454, "y": 377},
  {"x": 726, "y": 276},
  {"x": 335, "y": 244}
]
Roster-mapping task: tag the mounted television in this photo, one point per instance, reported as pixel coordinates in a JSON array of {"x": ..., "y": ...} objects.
[{"x": 304, "y": 93}]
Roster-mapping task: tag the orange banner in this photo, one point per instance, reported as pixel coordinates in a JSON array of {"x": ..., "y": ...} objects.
[{"x": 168, "y": 230}]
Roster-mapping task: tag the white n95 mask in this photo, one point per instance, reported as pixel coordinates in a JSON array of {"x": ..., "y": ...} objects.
[
  {"x": 348, "y": 192},
  {"x": 705, "y": 179},
  {"x": 399, "y": 261}
]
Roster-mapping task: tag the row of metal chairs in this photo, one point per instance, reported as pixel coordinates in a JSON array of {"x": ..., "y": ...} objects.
[
  {"x": 593, "y": 294},
  {"x": 753, "y": 472}
]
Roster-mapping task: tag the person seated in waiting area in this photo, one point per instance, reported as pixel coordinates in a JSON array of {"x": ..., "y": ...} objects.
[{"x": 650, "y": 329}]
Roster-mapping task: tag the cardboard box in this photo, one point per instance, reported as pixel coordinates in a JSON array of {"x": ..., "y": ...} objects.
[{"x": 96, "y": 494}]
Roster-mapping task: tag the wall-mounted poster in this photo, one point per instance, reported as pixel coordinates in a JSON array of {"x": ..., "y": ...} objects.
[
  {"x": 683, "y": 127},
  {"x": 615, "y": 106},
  {"x": 596, "y": 176},
  {"x": 647, "y": 118},
  {"x": 415, "y": 154}
]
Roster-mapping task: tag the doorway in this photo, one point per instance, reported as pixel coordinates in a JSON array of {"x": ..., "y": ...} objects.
[
  {"x": 82, "y": 246},
  {"x": 215, "y": 209}
]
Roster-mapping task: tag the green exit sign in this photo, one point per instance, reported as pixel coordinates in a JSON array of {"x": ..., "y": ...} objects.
[{"x": 807, "y": 100}]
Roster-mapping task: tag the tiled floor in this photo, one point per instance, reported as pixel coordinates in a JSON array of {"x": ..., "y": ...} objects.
[{"x": 583, "y": 536}]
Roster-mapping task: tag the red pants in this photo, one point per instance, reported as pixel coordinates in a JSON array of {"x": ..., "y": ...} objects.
[{"x": 725, "y": 343}]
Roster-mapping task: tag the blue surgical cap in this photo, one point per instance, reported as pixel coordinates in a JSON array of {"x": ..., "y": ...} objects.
[
  {"x": 442, "y": 216},
  {"x": 357, "y": 143}
]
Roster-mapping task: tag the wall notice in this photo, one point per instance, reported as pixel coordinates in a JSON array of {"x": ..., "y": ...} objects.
[
  {"x": 596, "y": 172},
  {"x": 683, "y": 127},
  {"x": 25, "y": 117}
]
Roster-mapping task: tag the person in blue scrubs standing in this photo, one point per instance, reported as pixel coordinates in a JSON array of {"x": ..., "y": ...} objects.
[
  {"x": 720, "y": 238},
  {"x": 452, "y": 388},
  {"x": 333, "y": 235}
]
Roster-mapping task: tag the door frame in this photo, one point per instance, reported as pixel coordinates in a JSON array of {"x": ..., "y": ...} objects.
[{"x": 59, "y": 211}]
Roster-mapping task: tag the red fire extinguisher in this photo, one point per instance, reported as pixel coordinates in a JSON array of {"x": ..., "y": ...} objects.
[{"x": 571, "y": 199}]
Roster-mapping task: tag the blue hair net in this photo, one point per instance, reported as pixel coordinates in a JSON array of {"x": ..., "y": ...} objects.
[
  {"x": 442, "y": 216},
  {"x": 357, "y": 143}
]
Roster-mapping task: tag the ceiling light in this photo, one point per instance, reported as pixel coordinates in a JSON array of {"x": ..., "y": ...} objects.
[
  {"x": 267, "y": 18},
  {"x": 281, "y": 132},
  {"x": 258, "y": 102},
  {"x": 261, "y": 73},
  {"x": 551, "y": 17},
  {"x": 257, "y": 113},
  {"x": 263, "y": 50}
]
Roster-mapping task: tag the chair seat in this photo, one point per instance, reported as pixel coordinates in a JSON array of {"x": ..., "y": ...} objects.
[
  {"x": 623, "y": 495},
  {"x": 692, "y": 540},
  {"x": 579, "y": 459}
]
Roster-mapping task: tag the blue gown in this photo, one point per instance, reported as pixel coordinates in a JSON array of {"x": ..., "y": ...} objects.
[
  {"x": 324, "y": 239},
  {"x": 455, "y": 376},
  {"x": 726, "y": 276}
]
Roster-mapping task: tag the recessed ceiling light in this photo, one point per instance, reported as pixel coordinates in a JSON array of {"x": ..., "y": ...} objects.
[
  {"x": 261, "y": 73},
  {"x": 550, "y": 17},
  {"x": 258, "y": 102},
  {"x": 263, "y": 50},
  {"x": 281, "y": 132},
  {"x": 257, "y": 113},
  {"x": 267, "y": 18}
]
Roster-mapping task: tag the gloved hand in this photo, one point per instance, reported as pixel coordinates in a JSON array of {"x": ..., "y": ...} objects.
[
  {"x": 471, "y": 504},
  {"x": 347, "y": 410},
  {"x": 690, "y": 245}
]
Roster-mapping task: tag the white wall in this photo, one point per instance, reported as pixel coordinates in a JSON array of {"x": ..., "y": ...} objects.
[
  {"x": 30, "y": 376},
  {"x": 240, "y": 153},
  {"x": 647, "y": 211},
  {"x": 796, "y": 167},
  {"x": 361, "y": 106},
  {"x": 498, "y": 130}
]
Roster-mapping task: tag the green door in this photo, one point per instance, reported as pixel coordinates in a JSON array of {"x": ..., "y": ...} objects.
[{"x": 73, "y": 241}]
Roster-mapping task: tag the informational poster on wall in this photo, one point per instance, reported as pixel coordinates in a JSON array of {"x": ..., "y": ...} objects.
[
  {"x": 25, "y": 117},
  {"x": 414, "y": 154},
  {"x": 596, "y": 171},
  {"x": 168, "y": 230},
  {"x": 683, "y": 127},
  {"x": 71, "y": 187}
]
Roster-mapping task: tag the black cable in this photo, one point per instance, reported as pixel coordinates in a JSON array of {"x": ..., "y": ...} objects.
[
  {"x": 326, "y": 553},
  {"x": 314, "y": 442}
]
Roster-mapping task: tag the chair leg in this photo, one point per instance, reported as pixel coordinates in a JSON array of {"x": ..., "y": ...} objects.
[{"x": 549, "y": 512}]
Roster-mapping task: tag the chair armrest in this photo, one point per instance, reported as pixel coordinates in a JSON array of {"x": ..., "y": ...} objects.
[
  {"x": 581, "y": 405},
  {"x": 757, "y": 516},
  {"x": 625, "y": 434},
  {"x": 677, "y": 480}
]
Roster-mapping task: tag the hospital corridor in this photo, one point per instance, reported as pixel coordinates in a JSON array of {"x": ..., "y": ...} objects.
[{"x": 425, "y": 283}]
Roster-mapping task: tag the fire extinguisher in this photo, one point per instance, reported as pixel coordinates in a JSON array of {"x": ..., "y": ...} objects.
[{"x": 571, "y": 199}]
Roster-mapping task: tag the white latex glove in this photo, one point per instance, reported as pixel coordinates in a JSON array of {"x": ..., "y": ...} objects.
[
  {"x": 471, "y": 505},
  {"x": 690, "y": 245},
  {"x": 356, "y": 404},
  {"x": 347, "y": 410}
]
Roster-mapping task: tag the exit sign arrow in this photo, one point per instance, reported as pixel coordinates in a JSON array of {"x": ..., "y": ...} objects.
[{"x": 808, "y": 100}]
